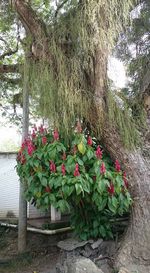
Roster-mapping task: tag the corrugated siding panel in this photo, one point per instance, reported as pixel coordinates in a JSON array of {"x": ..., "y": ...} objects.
[
  {"x": 36, "y": 213},
  {"x": 9, "y": 188}
]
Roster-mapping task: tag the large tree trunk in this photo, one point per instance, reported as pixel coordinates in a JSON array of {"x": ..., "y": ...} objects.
[{"x": 134, "y": 253}]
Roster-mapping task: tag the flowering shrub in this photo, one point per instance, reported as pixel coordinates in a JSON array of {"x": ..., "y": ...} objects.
[{"x": 80, "y": 179}]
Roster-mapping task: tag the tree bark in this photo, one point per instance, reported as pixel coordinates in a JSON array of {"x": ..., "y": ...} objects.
[
  {"x": 134, "y": 253},
  {"x": 12, "y": 68}
]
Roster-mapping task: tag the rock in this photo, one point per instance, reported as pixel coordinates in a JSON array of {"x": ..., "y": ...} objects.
[
  {"x": 107, "y": 248},
  {"x": 87, "y": 251},
  {"x": 71, "y": 244},
  {"x": 82, "y": 265},
  {"x": 97, "y": 243},
  {"x": 124, "y": 270},
  {"x": 105, "y": 266}
]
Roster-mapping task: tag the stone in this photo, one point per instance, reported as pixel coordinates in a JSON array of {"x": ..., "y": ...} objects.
[
  {"x": 105, "y": 265},
  {"x": 82, "y": 265},
  {"x": 87, "y": 251},
  {"x": 124, "y": 270},
  {"x": 97, "y": 243},
  {"x": 107, "y": 248},
  {"x": 71, "y": 244}
]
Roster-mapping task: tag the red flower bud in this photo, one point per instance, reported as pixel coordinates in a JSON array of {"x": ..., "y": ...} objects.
[
  {"x": 89, "y": 141},
  {"x": 79, "y": 128},
  {"x": 30, "y": 148},
  {"x": 75, "y": 149},
  {"x": 23, "y": 159},
  {"x": 47, "y": 189},
  {"x": 41, "y": 129},
  {"x": 63, "y": 169},
  {"x": 76, "y": 171},
  {"x": 103, "y": 168},
  {"x": 56, "y": 135},
  {"x": 125, "y": 180},
  {"x": 111, "y": 189},
  {"x": 94, "y": 178},
  {"x": 33, "y": 134},
  {"x": 44, "y": 140},
  {"x": 52, "y": 167},
  {"x": 117, "y": 166},
  {"x": 64, "y": 156},
  {"x": 99, "y": 152}
]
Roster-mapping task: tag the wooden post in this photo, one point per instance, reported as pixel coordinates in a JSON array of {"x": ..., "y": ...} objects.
[
  {"x": 22, "y": 225},
  {"x": 55, "y": 214}
]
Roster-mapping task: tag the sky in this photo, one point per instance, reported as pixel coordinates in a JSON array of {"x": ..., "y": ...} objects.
[{"x": 10, "y": 137}]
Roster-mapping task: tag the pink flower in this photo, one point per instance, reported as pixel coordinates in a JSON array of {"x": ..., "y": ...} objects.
[
  {"x": 23, "y": 159},
  {"x": 111, "y": 189},
  {"x": 41, "y": 129},
  {"x": 47, "y": 189},
  {"x": 64, "y": 156},
  {"x": 89, "y": 141},
  {"x": 103, "y": 168},
  {"x": 44, "y": 140},
  {"x": 33, "y": 134},
  {"x": 117, "y": 166},
  {"x": 125, "y": 180},
  {"x": 79, "y": 128},
  {"x": 75, "y": 149},
  {"x": 76, "y": 171},
  {"x": 63, "y": 169},
  {"x": 56, "y": 135},
  {"x": 99, "y": 152},
  {"x": 30, "y": 146},
  {"x": 94, "y": 178},
  {"x": 52, "y": 167},
  {"x": 23, "y": 146}
]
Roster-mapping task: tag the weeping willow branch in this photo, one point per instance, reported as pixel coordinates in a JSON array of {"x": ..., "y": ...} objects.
[{"x": 80, "y": 41}]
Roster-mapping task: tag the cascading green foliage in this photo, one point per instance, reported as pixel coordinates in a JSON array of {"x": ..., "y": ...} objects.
[
  {"x": 64, "y": 85},
  {"x": 122, "y": 117}
]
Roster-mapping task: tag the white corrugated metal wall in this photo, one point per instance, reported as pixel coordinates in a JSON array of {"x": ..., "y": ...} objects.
[
  {"x": 9, "y": 190},
  {"x": 9, "y": 186}
]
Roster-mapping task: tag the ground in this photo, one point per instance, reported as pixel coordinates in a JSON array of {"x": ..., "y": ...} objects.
[{"x": 41, "y": 256}]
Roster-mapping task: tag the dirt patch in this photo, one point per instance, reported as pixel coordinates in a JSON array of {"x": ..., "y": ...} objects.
[{"x": 41, "y": 255}]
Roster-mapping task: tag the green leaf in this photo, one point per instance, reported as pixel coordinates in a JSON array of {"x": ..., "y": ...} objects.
[
  {"x": 79, "y": 188},
  {"x": 119, "y": 180},
  {"x": 111, "y": 206},
  {"x": 102, "y": 231},
  {"x": 114, "y": 201},
  {"x": 44, "y": 181},
  {"x": 89, "y": 154},
  {"x": 95, "y": 223},
  {"x": 80, "y": 161},
  {"x": 63, "y": 206},
  {"x": 40, "y": 175}
]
